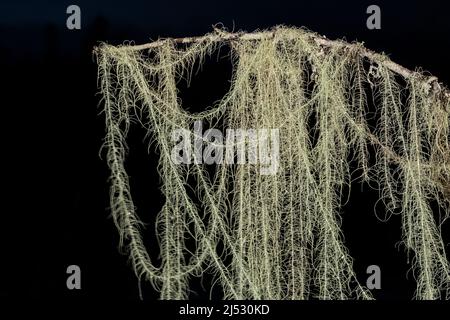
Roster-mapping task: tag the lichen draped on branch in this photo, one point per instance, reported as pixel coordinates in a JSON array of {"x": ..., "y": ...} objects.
[{"x": 280, "y": 235}]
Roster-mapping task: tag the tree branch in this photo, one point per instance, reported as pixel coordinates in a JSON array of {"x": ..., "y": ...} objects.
[{"x": 431, "y": 83}]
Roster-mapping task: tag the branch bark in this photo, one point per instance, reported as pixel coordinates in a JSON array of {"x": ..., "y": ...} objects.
[{"x": 431, "y": 82}]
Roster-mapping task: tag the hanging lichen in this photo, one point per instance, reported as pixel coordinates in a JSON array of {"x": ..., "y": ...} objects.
[{"x": 280, "y": 234}]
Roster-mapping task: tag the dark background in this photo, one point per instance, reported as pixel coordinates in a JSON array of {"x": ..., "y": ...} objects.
[{"x": 55, "y": 191}]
